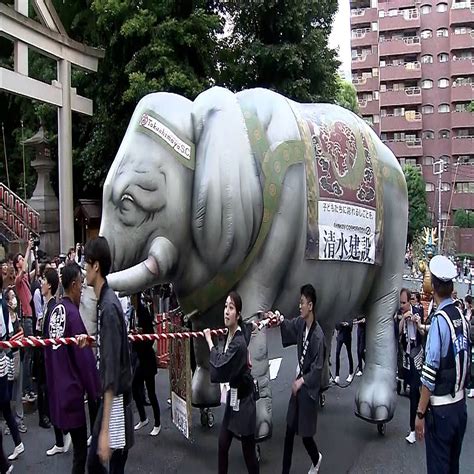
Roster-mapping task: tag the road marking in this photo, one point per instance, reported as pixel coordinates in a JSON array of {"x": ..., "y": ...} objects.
[{"x": 274, "y": 367}]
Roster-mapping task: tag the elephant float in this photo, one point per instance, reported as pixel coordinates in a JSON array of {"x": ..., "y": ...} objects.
[{"x": 255, "y": 192}]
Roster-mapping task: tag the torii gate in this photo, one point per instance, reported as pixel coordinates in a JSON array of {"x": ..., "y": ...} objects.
[{"x": 50, "y": 39}]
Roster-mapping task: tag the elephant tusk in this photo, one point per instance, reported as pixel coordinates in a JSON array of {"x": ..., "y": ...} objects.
[{"x": 135, "y": 279}]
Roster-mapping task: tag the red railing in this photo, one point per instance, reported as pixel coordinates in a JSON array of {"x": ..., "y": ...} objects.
[
  {"x": 17, "y": 215},
  {"x": 166, "y": 322}
]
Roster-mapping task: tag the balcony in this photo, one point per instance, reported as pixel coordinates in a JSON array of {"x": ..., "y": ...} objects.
[
  {"x": 391, "y": 4},
  {"x": 364, "y": 37},
  {"x": 364, "y": 84},
  {"x": 461, "y": 15},
  {"x": 462, "y": 67},
  {"x": 403, "y": 123},
  {"x": 462, "y": 93},
  {"x": 369, "y": 107},
  {"x": 365, "y": 61},
  {"x": 464, "y": 41},
  {"x": 407, "y": 19},
  {"x": 462, "y": 146},
  {"x": 401, "y": 72},
  {"x": 400, "y": 46},
  {"x": 462, "y": 120},
  {"x": 405, "y": 149},
  {"x": 363, "y": 15},
  {"x": 408, "y": 96}
]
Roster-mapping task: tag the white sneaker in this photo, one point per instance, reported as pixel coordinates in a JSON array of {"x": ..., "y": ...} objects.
[
  {"x": 16, "y": 452},
  {"x": 350, "y": 378},
  {"x": 67, "y": 442},
  {"x": 10, "y": 469},
  {"x": 411, "y": 438},
  {"x": 155, "y": 431},
  {"x": 55, "y": 450},
  {"x": 315, "y": 469},
  {"x": 89, "y": 440},
  {"x": 336, "y": 380},
  {"x": 141, "y": 424},
  {"x": 470, "y": 393},
  {"x": 359, "y": 373}
]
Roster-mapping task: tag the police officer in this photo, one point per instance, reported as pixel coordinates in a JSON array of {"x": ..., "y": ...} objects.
[{"x": 441, "y": 414}]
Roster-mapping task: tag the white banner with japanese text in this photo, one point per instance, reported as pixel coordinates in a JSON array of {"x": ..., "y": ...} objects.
[{"x": 346, "y": 232}]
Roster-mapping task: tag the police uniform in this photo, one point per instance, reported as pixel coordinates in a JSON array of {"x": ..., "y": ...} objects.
[{"x": 445, "y": 374}]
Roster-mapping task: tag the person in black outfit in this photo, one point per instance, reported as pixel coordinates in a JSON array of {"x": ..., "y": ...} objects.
[
  {"x": 232, "y": 367},
  {"x": 360, "y": 345},
  {"x": 146, "y": 369},
  {"x": 344, "y": 337}
]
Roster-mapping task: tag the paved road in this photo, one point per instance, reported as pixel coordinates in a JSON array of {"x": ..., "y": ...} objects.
[{"x": 348, "y": 444}]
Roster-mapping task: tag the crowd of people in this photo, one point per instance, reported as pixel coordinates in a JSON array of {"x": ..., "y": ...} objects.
[{"x": 76, "y": 384}]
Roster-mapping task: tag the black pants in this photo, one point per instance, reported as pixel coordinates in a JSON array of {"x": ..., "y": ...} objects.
[
  {"x": 414, "y": 381},
  {"x": 248, "y": 450},
  {"x": 79, "y": 444},
  {"x": 309, "y": 444},
  {"x": 11, "y": 423},
  {"x": 361, "y": 348},
  {"x": 348, "y": 344},
  {"x": 43, "y": 406},
  {"x": 116, "y": 464},
  {"x": 444, "y": 432},
  {"x": 4, "y": 464},
  {"x": 137, "y": 388}
]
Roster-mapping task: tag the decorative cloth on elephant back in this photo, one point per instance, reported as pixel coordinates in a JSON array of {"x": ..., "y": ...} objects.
[{"x": 345, "y": 193}]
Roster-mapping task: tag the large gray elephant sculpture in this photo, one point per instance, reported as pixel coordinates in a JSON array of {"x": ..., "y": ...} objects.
[{"x": 256, "y": 192}]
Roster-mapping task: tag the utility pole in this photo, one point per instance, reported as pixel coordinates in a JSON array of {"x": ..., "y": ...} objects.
[{"x": 438, "y": 168}]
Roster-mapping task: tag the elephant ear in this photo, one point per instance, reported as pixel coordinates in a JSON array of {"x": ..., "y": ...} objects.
[{"x": 227, "y": 194}]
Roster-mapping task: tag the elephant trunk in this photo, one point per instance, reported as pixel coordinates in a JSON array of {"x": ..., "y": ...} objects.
[{"x": 161, "y": 259}]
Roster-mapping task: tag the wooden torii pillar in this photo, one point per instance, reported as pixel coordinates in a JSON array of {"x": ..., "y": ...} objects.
[{"x": 50, "y": 39}]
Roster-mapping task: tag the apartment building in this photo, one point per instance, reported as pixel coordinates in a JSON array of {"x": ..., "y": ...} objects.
[{"x": 413, "y": 68}]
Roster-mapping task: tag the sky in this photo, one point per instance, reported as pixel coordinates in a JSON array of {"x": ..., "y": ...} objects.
[{"x": 340, "y": 37}]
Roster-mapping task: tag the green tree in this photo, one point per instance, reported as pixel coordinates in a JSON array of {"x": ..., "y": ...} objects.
[
  {"x": 471, "y": 107},
  {"x": 417, "y": 203},
  {"x": 464, "y": 218},
  {"x": 347, "y": 95},
  {"x": 281, "y": 45}
]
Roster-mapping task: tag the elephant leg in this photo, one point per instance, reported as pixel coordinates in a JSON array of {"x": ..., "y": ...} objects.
[
  {"x": 260, "y": 371},
  {"x": 204, "y": 393},
  {"x": 375, "y": 398}
]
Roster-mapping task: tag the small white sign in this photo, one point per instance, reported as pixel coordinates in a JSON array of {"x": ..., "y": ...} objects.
[
  {"x": 274, "y": 367},
  {"x": 166, "y": 134},
  {"x": 180, "y": 414},
  {"x": 346, "y": 232}
]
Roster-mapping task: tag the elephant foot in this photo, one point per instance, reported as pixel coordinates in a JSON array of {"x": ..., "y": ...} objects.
[
  {"x": 264, "y": 425},
  {"x": 204, "y": 393},
  {"x": 375, "y": 397}
]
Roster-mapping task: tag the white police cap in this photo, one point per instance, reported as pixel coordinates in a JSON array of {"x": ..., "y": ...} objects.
[{"x": 442, "y": 268}]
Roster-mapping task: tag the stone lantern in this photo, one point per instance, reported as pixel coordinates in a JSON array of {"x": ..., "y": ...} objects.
[{"x": 44, "y": 199}]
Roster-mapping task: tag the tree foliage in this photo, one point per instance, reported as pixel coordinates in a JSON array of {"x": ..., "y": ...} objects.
[
  {"x": 347, "y": 95},
  {"x": 174, "y": 46},
  {"x": 417, "y": 203},
  {"x": 464, "y": 218}
]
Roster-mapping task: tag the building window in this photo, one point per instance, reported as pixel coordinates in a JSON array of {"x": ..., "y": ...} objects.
[
  {"x": 443, "y": 57},
  {"x": 462, "y": 30},
  {"x": 430, "y": 187},
  {"x": 428, "y": 160},
  {"x": 462, "y": 107},
  {"x": 425, "y": 9},
  {"x": 427, "y": 109},
  {"x": 443, "y": 83},
  {"x": 427, "y": 59},
  {"x": 442, "y": 7},
  {"x": 410, "y": 161},
  {"x": 465, "y": 187},
  {"x": 427, "y": 84},
  {"x": 428, "y": 135},
  {"x": 444, "y": 134},
  {"x": 444, "y": 158},
  {"x": 445, "y": 187},
  {"x": 442, "y": 32},
  {"x": 425, "y": 34},
  {"x": 443, "y": 108}
]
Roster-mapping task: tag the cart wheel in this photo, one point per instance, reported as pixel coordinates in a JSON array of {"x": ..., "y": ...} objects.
[
  {"x": 381, "y": 428},
  {"x": 204, "y": 417},
  {"x": 258, "y": 452},
  {"x": 322, "y": 400},
  {"x": 210, "y": 419}
]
